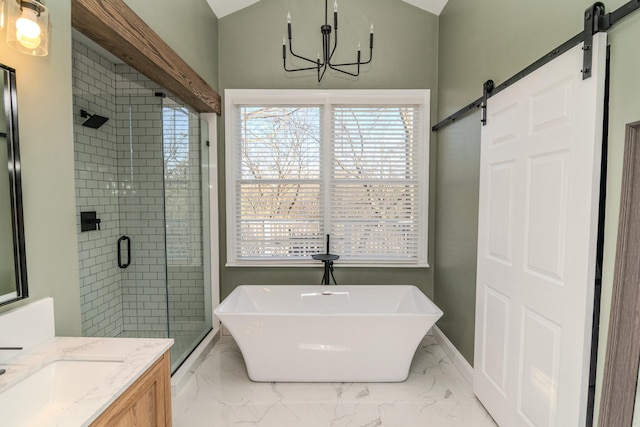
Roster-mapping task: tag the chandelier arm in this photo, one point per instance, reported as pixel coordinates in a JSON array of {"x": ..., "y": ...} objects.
[
  {"x": 335, "y": 45},
  {"x": 346, "y": 64},
  {"x": 324, "y": 70},
  {"x": 345, "y": 72},
  {"x": 301, "y": 57},
  {"x": 300, "y": 69},
  {"x": 333, "y": 67}
]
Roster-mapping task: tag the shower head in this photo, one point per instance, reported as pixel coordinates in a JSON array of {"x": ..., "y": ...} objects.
[{"x": 93, "y": 121}]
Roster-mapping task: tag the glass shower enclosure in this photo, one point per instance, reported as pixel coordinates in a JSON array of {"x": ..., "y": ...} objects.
[
  {"x": 143, "y": 269},
  {"x": 161, "y": 247}
]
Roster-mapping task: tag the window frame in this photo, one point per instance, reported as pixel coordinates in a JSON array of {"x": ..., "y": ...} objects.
[{"x": 324, "y": 98}]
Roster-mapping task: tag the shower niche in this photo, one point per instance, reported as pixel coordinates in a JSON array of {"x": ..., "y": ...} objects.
[{"x": 139, "y": 161}]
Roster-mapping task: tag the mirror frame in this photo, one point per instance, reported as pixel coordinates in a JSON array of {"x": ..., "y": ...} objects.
[{"x": 15, "y": 183}]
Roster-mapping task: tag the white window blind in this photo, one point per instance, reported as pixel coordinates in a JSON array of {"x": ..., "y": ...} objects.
[
  {"x": 303, "y": 164},
  {"x": 375, "y": 187}
]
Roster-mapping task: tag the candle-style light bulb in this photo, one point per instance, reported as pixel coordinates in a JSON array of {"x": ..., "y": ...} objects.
[
  {"x": 358, "y": 46},
  {"x": 371, "y": 38},
  {"x": 335, "y": 7},
  {"x": 289, "y": 18},
  {"x": 284, "y": 41},
  {"x": 371, "y": 29}
]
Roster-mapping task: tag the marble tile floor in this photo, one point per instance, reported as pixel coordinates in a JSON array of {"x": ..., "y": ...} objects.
[{"x": 220, "y": 394}]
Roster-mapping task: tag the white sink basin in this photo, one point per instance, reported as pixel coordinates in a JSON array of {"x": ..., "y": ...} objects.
[{"x": 49, "y": 391}]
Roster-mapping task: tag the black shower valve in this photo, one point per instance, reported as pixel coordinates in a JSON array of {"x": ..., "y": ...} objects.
[{"x": 89, "y": 221}]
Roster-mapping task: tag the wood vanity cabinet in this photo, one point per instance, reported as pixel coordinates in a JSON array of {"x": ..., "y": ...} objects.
[{"x": 147, "y": 403}]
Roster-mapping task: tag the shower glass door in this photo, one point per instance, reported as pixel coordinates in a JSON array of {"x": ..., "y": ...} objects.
[
  {"x": 141, "y": 207},
  {"x": 188, "y": 294}
]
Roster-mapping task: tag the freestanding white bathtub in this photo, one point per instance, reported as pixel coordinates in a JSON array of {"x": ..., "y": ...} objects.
[{"x": 328, "y": 333}]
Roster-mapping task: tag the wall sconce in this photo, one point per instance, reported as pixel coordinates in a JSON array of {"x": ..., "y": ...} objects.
[
  {"x": 2, "y": 14},
  {"x": 28, "y": 26}
]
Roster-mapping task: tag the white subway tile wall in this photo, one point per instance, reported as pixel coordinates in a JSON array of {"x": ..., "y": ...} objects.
[{"x": 96, "y": 177}]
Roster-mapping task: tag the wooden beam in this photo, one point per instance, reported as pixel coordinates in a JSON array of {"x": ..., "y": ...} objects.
[{"x": 117, "y": 28}]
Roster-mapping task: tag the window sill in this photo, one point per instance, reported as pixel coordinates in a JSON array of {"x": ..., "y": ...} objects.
[{"x": 318, "y": 264}]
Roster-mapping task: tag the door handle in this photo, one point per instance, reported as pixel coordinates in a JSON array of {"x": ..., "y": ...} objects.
[{"x": 120, "y": 240}]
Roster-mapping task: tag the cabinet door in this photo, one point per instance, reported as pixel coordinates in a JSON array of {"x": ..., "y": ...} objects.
[{"x": 147, "y": 403}]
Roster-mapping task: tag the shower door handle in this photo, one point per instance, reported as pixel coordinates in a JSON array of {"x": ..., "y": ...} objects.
[{"x": 120, "y": 240}]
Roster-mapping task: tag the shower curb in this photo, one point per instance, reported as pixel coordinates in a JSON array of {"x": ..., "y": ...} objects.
[{"x": 184, "y": 373}]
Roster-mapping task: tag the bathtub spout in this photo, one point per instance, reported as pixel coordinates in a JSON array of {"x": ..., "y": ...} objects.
[{"x": 327, "y": 259}]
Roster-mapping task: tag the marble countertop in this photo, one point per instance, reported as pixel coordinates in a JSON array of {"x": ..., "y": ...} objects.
[{"x": 136, "y": 355}]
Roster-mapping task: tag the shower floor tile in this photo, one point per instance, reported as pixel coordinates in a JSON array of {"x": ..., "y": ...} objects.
[{"x": 220, "y": 394}]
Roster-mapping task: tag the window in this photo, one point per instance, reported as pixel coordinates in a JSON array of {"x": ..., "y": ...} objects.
[
  {"x": 181, "y": 152},
  {"x": 304, "y": 164}
]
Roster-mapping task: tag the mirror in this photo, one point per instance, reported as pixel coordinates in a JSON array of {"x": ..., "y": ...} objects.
[{"x": 13, "y": 269}]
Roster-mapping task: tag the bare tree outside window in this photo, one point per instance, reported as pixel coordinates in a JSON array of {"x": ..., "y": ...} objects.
[
  {"x": 280, "y": 181},
  {"x": 181, "y": 185}
]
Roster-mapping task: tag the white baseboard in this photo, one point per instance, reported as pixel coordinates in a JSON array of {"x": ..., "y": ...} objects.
[{"x": 452, "y": 353}]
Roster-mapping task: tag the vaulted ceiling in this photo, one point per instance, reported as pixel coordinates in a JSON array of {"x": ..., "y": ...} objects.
[{"x": 225, "y": 7}]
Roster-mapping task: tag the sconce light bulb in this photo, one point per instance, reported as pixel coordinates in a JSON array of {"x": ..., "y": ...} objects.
[
  {"x": 371, "y": 29},
  {"x": 27, "y": 29},
  {"x": 1, "y": 14},
  {"x": 335, "y": 6},
  {"x": 288, "y": 17},
  {"x": 27, "y": 24}
]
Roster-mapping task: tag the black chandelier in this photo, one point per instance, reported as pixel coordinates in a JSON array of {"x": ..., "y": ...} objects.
[{"x": 321, "y": 64}]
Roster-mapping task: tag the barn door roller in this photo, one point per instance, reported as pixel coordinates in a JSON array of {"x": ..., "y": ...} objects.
[
  {"x": 592, "y": 22},
  {"x": 487, "y": 88}
]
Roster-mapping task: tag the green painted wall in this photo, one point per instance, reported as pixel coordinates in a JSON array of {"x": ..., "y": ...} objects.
[
  {"x": 494, "y": 39},
  {"x": 189, "y": 27},
  {"x": 405, "y": 56},
  {"x": 46, "y": 151}
]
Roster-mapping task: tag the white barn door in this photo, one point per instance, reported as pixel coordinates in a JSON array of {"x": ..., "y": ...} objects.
[{"x": 537, "y": 232}]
